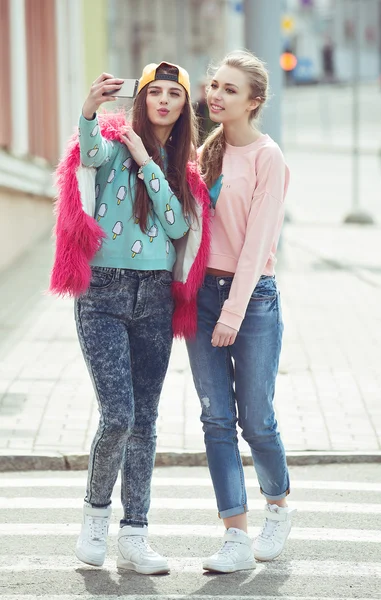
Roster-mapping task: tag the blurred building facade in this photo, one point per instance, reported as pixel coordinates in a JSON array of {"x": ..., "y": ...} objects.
[
  {"x": 51, "y": 51},
  {"x": 47, "y": 59},
  {"x": 189, "y": 32}
]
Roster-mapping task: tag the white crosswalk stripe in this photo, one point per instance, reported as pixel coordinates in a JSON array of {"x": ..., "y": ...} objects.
[
  {"x": 157, "y": 482},
  {"x": 302, "y": 568},
  {"x": 191, "y": 504},
  {"x": 333, "y": 552},
  {"x": 175, "y": 597},
  {"x": 297, "y": 533}
]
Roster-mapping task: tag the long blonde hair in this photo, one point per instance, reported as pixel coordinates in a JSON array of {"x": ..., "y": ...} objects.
[{"x": 214, "y": 147}]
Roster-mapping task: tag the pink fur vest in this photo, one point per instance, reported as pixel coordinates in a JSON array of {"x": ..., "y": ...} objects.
[{"x": 79, "y": 236}]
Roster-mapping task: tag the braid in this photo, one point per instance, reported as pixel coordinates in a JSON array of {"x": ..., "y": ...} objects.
[{"x": 212, "y": 155}]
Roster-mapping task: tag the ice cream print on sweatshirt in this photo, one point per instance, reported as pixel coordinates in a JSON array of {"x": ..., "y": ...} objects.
[
  {"x": 121, "y": 194},
  {"x": 154, "y": 184},
  {"x": 126, "y": 246},
  {"x": 102, "y": 210},
  {"x": 136, "y": 248},
  {"x": 117, "y": 229},
  {"x": 127, "y": 164},
  {"x": 153, "y": 232}
]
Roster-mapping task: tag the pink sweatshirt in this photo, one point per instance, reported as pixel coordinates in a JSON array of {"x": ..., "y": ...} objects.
[{"x": 247, "y": 220}]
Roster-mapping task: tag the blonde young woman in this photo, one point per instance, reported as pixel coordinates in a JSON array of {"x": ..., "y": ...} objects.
[{"x": 234, "y": 357}]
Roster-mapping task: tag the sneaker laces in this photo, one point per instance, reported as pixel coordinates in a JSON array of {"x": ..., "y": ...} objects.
[
  {"x": 269, "y": 527},
  {"x": 228, "y": 548},
  {"x": 98, "y": 528},
  {"x": 140, "y": 542}
]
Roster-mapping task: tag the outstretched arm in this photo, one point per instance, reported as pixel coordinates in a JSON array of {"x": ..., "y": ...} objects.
[{"x": 95, "y": 150}]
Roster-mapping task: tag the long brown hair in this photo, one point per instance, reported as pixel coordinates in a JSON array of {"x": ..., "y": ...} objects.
[
  {"x": 214, "y": 147},
  {"x": 180, "y": 148}
]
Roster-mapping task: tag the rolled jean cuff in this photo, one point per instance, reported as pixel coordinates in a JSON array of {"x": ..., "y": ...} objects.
[
  {"x": 97, "y": 505},
  {"x": 232, "y": 512},
  {"x": 133, "y": 523},
  {"x": 279, "y": 497}
]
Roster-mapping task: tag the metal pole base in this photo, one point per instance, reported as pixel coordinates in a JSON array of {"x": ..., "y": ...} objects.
[{"x": 359, "y": 218}]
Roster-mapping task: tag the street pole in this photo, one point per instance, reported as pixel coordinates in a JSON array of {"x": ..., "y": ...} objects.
[
  {"x": 263, "y": 38},
  {"x": 357, "y": 215},
  {"x": 180, "y": 32}
]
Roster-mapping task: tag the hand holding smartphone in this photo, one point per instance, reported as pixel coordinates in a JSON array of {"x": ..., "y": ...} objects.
[
  {"x": 105, "y": 89},
  {"x": 127, "y": 90}
]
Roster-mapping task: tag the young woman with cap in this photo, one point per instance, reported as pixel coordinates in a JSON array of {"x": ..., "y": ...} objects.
[
  {"x": 132, "y": 216},
  {"x": 235, "y": 354}
]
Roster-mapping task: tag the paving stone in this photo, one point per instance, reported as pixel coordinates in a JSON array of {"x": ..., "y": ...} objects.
[{"x": 328, "y": 390}]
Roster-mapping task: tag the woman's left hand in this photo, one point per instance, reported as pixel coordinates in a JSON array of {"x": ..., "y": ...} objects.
[
  {"x": 223, "y": 335},
  {"x": 135, "y": 145}
]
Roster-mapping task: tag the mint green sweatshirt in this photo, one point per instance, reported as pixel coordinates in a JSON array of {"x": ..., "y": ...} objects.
[{"x": 126, "y": 246}]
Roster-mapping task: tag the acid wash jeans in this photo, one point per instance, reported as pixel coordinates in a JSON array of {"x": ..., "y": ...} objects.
[
  {"x": 124, "y": 325},
  {"x": 241, "y": 392}
]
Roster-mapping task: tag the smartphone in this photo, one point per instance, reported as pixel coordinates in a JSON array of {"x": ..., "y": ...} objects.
[{"x": 128, "y": 89}]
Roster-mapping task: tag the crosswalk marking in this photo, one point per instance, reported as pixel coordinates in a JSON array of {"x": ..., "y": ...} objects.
[
  {"x": 171, "y": 597},
  {"x": 76, "y": 482},
  {"x": 190, "y": 504},
  {"x": 337, "y": 560},
  {"x": 297, "y": 533},
  {"x": 302, "y": 568}
]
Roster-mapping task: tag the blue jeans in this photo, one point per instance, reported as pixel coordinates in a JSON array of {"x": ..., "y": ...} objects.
[
  {"x": 236, "y": 384},
  {"x": 124, "y": 325}
]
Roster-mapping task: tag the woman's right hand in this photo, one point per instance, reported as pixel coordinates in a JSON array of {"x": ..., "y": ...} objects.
[{"x": 104, "y": 83}]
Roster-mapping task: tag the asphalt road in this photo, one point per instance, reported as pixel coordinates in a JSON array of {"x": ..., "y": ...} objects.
[{"x": 334, "y": 550}]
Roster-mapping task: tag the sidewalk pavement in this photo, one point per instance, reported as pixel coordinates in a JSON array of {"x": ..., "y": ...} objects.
[{"x": 328, "y": 389}]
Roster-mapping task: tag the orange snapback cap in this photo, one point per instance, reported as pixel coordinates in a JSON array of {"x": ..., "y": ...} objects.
[{"x": 150, "y": 74}]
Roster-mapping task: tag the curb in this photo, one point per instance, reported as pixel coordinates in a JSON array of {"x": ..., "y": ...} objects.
[{"x": 79, "y": 462}]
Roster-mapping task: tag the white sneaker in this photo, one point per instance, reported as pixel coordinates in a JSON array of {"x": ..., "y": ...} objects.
[
  {"x": 92, "y": 542},
  {"x": 236, "y": 553},
  {"x": 271, "y": 540},
  {"x": 135, "y": 554}
]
